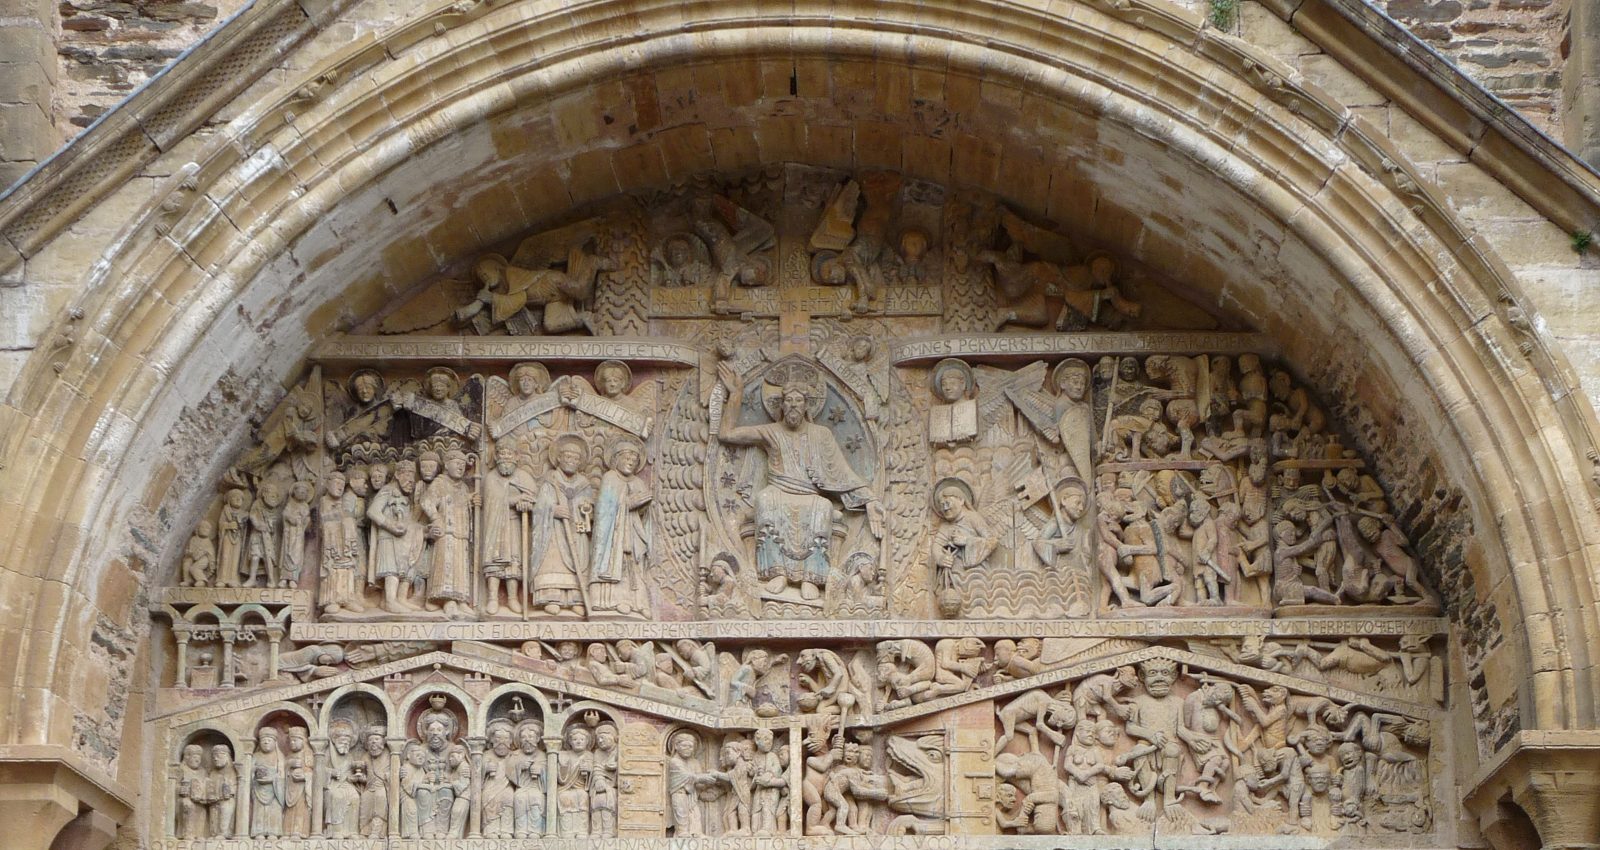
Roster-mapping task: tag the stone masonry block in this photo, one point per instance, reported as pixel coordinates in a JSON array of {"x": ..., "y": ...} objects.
[{"x": 25, "y": 132}]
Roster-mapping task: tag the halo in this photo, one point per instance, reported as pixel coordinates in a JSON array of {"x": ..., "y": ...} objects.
[
  {"x": 1074, "y": 481},
  {"x": 541, "y": 375},
  {"x": 1089, "y": 258},
  {"x": 697, "y": 247},
  {"x": 959, "y": 483},
  {"x": 501, "y": 723},
  {"x": 382, "y": 384},
  {"x": 618, "y": 444},
  {"x": 945, "y": 365},
  {"x": 817, "y": 261},
  {"x": 627, "y": 373},
  {"x": 455, "y": 381},
  {"x": 489, "y": 260},
  {"x": 565, "y": 439},
  {"x": 784, "y": 377},
  {"x": 1071, "y": 364}
]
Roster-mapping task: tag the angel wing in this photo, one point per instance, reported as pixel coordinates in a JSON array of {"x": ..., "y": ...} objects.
[
  {"x": 1039, "y": 409},
  {"x": 543, "y": 250},
  {"x": 837, "y": 228},
  {"x": 496, "y": 397},
  {"x": 1037, "y": 240},
  {"x": 433, "y": 306},
  {"x": 643, "y": 400},
  {"x": 337, "y": 405},
  {"x": 751, "y": 233},
  {"x": 999, "y": 497},
  {"x": 994, "y": 384},
  {"x": 679, "y": 505}
]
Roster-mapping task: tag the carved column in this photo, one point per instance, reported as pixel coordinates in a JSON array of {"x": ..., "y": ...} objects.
[
  {"x": 552, "y": 818},
  {"x": 319, "y": 779},
  {"x": 475, "y": 747},
  {"x": 171, "y": 807},
  {"x": 396, "y": 747},
  {"x": 225, "y": 673},
  {"x": 276, "y": 636},
  {"x": 797, "y": 763},
  {"x": 241, "y": 797},
  {"x": 182, "y": 675}
]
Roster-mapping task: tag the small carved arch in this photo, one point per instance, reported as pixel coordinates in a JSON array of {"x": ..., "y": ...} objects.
[
  {"x": 218, "y": 617},
  {"x": 343, "y": 696},
  {"x": 262, "y": 715},
  {"x": 207, "y": 732},
  {"x": 481, "y": 716},
  {"x": 576, "y": 711},
  {"x": 416, "y": 702}
]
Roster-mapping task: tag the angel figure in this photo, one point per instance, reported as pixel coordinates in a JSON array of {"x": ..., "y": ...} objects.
[
  {"x": 362, "y": 407},
  {"x": 290, "y": 431},
  {"x": 1066, "y": 418},
  {"x": 613, "y": 399},
  {"x": 681, "y": 260},
  {"x": 843, "y": 256},
  {"x": 522, "y": 404},
  {"x": 869, "y": 380},
  {"x": 443, "y": 405},
  {"x": 964, "y": 539},
  {"x": 530, "y": 279},
  {"x": 953, "y": 415},
  {"x": 735, "y": 237}
]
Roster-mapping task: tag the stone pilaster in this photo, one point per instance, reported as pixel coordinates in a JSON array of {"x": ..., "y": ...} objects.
[
  {"x": 1580, "y": 83},
  {"x": 27, "y": 86}
]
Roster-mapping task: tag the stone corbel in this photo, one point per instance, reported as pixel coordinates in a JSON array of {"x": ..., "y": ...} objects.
[
  {"x": 1552, "y": 775},
  {"x": 46, "y": 791}
]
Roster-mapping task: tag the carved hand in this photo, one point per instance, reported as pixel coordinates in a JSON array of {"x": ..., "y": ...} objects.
[
  {"x": 875, "y": 518},
  {"x": 561, "y": 512},
  {"x": 474, "y": 432},
  {"x": 729, "y": 377}
]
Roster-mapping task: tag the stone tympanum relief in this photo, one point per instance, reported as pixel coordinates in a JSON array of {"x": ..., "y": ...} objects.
[{"x": 807, "y": 504}]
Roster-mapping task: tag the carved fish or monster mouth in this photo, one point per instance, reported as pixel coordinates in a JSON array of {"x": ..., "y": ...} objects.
[{"x": 917, "y": 775}]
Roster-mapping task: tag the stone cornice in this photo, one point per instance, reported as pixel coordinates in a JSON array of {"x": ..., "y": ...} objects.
[
  {"x": 28, "y": 763},
  {"x": 1467, "y": 116}
]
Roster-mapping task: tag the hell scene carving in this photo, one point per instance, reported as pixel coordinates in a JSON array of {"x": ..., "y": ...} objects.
[{"x": 807, "y": 504}]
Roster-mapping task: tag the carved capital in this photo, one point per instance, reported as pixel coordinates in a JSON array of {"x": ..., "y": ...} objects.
[{"x": 1551, "y": 775}]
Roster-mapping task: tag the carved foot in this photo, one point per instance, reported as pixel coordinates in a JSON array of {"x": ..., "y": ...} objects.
[{"x": 809, "y": 591}]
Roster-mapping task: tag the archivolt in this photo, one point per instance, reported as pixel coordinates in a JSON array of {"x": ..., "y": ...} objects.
[{"x": 281, "y": 231}]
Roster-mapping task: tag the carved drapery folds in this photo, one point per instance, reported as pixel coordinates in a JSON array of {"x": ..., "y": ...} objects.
[{"x": 809, "y": 504}]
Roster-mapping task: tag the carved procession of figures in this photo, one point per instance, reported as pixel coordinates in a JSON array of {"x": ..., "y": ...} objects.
[{"x": 806, "y": 503}]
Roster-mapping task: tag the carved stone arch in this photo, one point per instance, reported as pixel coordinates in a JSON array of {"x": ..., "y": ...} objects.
[
  {"x": 1399, "y": 293},
  {"x": 188, "y": 278},
  {"x": 183, "y": 735},
  {"x": 212, "y": 610},
  {"x": 392, "y": 722},
  {"x": 480, "y": 715},
  {"x": 285, "y": 707},
  {"x": 574, "y": 713},
  {"x": 471, "y": 708}
]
